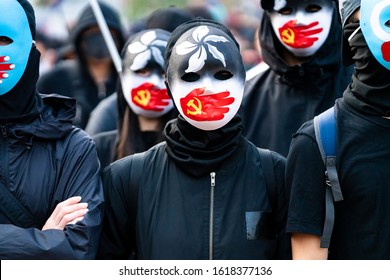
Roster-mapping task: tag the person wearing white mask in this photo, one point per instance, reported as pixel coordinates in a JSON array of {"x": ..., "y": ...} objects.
[
  {"x": 360, "y": 225},
  {"x": 203, "y": 193},
  {"x": 301, "y": 43},
  {"x": 144, "y": 106},
  {"x": 302, "y": 27}
]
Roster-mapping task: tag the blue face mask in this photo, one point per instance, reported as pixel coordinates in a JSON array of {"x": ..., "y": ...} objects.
[
  {"x": 15, "y": 44},
  {"x": 375, "y": 25}
]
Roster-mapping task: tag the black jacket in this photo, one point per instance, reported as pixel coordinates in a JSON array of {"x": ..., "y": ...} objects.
[
  {"x": 186, "y": 198},
  {"x": 43, "y": 163},
  {"x": 104, "y": 116},
  {"x": 281, "y": 98}
]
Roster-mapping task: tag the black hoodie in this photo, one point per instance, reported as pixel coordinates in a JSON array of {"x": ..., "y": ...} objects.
[
  {"x": 280, "y": 99},
  {"x": 72, "y": 78}
]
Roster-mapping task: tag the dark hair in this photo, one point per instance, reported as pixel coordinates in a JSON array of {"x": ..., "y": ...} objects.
[{"x": 130, "y": 139}]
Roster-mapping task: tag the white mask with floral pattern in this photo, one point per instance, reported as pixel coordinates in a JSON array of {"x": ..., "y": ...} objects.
[
  {"x": 142, "y": 78},
  {"x": 206, "y": 77}
]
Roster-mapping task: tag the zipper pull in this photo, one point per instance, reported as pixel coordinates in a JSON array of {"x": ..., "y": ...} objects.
[
  {"x": 4, "y": 131},
  {"x": 212, "y": 175},
  {"x": 211, "y": 229}
]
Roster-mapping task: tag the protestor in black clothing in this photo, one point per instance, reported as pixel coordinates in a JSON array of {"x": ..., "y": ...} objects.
[
  {"x": 51, "y": 197},
  {"x": 104, "y": 117},
  {"x": 143, "y": 102},
  {"x": 362, "y": 223},
  {"x": 91, "y": 76},
  {"x": 301, "y": 43},
  {"x": 201, "y": 194}
]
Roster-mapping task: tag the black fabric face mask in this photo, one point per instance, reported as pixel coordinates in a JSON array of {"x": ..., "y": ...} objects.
[
  {"x": 94, "y": 46},
  {"x": 370, "y": 88}
]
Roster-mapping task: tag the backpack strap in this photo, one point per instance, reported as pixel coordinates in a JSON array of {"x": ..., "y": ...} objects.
[
  {"x": 14, "y": 210},
  {"x": 269, "y": 174},
  {"x": 325, "y": 132},
  {"x": 268, "y": 168},
  {"x": 135, "y": 176}
]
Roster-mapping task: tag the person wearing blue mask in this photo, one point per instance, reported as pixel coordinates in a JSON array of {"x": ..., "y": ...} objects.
[
  {"x": 362, "y": 118},
  {"x": 51, "y": 194}
]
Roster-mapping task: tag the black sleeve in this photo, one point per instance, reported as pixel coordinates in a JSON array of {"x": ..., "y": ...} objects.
[
  {"x": 78, "y": 176},
  {"x": 116, "y": 240},
  {"x": 305, "y": 175},
  {"x": 283, "y": 238}
]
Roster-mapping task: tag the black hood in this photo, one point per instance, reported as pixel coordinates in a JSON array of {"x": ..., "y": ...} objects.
[
  {"x": 87, "y": 19},
  {"x": 310, "y": 70},
  {"x": 30, "y": 16},
  {"x": 54, "y": 122}
]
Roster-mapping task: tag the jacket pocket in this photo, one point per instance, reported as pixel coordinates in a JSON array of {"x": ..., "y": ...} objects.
[{"x": 260, "y": 225}]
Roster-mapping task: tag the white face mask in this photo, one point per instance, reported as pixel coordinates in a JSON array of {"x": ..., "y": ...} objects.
[
  {"x": 146, "y": 93},
  {"x": 142, "y": 78},
  {"x": 206, "y": 77},
  {"x": 302, "y": 26}
]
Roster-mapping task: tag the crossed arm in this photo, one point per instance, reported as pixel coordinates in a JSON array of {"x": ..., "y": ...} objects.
[{"x": 70, "y": 211}]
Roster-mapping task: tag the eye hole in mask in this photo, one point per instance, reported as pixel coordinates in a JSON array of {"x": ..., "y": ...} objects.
[
  {"x": 144, "y": 72},
  {"x": 285, "y": 11},
  {"x": 223, "y": 75},
  {"x": 5, "y": 41},
  {"x": 387, "y": 23},
  {"x": 190, "y": 77},
  {"x": 310, "y": 9},
  {"x": 313, "y": 8}
]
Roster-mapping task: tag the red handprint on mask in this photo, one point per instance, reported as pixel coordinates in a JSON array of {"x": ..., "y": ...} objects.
[
  {"x": 4, "y": 67},
  {"x": 210, "y": 107},
  {"x": 149, "y": 97},
  {"x": 298, "y": 36}
]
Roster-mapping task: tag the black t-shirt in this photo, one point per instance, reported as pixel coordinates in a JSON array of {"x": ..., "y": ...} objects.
[{"x": 362, "y": 220}]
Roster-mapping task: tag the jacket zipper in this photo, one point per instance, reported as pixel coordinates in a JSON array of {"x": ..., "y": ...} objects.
[{"x": 212, "y": 177}]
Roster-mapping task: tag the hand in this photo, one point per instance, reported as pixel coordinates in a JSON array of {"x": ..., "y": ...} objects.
[
  {"x": 199, "y": 106},
  {"x": 67, "y": 212},
  {"x": 299, "y": 36},
  {"x": 151, "y": 98}
]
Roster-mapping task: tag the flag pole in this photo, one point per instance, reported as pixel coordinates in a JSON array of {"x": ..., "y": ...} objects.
[{"x": 107, "y": 35}]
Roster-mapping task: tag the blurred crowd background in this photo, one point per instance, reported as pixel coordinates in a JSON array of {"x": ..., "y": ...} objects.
[{"x": 56, "y": 18}]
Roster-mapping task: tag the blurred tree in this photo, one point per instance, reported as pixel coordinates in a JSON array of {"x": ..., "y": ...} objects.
[{"x": 137, "y": 9}]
